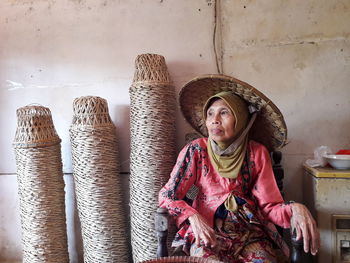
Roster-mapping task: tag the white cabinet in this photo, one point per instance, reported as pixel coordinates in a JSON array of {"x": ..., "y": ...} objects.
[{"x": 326, "y": 193}]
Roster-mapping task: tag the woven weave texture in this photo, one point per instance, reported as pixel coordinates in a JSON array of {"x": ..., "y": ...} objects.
[
  {"x": 97, "y": 182},
  {"x": 269, "y": 127},
  {"x": 35, "y": 128},
  {"x": 40, "y": 187},
  {"x": 152, "y": 124}
]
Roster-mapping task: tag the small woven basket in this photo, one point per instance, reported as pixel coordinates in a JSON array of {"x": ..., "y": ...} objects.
[
  {"x": 97, "y": 182},
  {"x": 40, "y": 187},
  {"x": 152, "y": 124}
]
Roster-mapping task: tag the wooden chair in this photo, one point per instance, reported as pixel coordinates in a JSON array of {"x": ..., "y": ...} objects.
[{"x": 297, "y": 252}]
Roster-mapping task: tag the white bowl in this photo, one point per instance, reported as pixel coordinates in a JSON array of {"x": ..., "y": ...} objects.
[{"x": 338, "y": 161}]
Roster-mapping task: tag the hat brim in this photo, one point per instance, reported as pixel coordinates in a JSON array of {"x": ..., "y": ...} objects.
[{"x": 269, "y": 127}]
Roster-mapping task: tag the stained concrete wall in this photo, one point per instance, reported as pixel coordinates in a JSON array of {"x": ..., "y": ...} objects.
[
  {"x": 298, "y": 54},
  {"x": 295, "y": 52}
]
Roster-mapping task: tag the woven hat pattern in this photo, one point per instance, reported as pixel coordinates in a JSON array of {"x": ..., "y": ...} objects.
[
  {"x": 152, "y": 124},
  {"x": 269, "y": 127},
  {"x": 40, "y": 187},
  {"x": 97, "y": 181}
]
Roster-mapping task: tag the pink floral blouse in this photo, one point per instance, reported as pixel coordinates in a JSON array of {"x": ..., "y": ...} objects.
[{"x": 255, "y": 184}]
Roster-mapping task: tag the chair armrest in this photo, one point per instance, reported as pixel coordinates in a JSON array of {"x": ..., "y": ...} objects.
[
  {"x": 161, "y": 223},
  {"x": 297, "y": 251}
]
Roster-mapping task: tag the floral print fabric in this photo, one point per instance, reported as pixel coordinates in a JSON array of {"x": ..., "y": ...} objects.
[
  {"x": 256, "y": 185},
  {"x": 238, "y": 241}
]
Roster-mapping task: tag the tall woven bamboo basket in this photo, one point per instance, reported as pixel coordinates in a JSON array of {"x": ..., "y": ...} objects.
[
  {"x": 40, "y": 187},
  {"x": 152, "y": 124},
  {"x": 97, "y": 182}
]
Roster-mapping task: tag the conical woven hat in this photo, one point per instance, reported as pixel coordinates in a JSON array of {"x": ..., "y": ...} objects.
[{"x": 269, "y": 127}]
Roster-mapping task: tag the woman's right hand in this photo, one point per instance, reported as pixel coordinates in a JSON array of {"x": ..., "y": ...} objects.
[{"x": 202, "y": 231}]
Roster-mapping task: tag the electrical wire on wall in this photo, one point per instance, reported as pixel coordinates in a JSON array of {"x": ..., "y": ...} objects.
[{"x": 219, "y": 66}]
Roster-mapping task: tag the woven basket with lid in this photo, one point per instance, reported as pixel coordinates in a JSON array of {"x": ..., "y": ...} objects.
[
  {"x": 97, "y": 182},
  {"x": 40, "y": 187},
  {"x": 35, "y": 128},
  {"x": 152, "y": 124}
]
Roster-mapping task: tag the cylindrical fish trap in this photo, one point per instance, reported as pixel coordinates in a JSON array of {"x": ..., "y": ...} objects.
[
  {"x": 152, "y": 124},
  {"x": 40, "y": 187},
  {"x": 97, "y": 181}
]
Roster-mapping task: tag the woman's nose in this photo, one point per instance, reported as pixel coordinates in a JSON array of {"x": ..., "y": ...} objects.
[{"x": 215, "y": 119}]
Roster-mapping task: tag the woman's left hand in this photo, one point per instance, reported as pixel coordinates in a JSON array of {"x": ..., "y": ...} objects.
[
  {"x": 305, "y": 226},
  {"x": 202, "y": 231}
]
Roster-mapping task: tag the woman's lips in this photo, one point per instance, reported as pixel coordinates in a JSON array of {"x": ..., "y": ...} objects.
[{"x": 216, "y": 131}]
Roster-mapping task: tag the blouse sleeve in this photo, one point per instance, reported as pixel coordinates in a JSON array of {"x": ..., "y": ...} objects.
[
  {"x": 266, "y": 191},
  {"x": 182, "y": 177}
]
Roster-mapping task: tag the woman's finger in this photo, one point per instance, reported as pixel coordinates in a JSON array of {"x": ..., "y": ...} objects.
[
  {"x": 314, "y": 235},
  {"x": 197, "y": 240},
  {"x": 213, "y": 242},
  {"x": 212, "y": 239},
  {"x": 197, "y": 236},
  {"x": 306, "y": 236},
  {"x": 315, "y": 240},
  {"x": 206, "y": 240},
  {"x": 206, "y": 237}
]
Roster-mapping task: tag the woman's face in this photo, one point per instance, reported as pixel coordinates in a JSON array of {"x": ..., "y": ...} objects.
[{"x": 220, "y": 122}]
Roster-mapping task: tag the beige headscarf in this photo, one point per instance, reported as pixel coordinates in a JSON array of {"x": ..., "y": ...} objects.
[{"x": 228, "y": 158}]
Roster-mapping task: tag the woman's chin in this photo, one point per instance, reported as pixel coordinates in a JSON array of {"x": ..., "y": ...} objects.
[{"x": 218, "y": 139}]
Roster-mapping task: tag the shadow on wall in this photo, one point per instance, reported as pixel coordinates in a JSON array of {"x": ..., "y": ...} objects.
[
  {"x": 121, "y": 115},
  {"x": 75, "y": 240}
]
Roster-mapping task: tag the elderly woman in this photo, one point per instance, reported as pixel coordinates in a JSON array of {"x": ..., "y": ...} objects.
[{"x": 233, "y": 215}]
